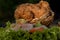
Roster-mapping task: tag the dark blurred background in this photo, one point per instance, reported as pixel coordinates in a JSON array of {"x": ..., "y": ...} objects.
[
  {"x": 55, "y": 6},
  {"x": 7, "y": 8}
]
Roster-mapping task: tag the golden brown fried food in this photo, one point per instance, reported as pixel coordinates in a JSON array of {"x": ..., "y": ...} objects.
[
  {"x": 34, "y": 12},
  {"x": 24, "y": 12}
]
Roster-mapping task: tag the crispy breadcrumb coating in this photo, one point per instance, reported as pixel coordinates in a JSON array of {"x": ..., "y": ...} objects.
[{"x": 34, "y": 12}]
